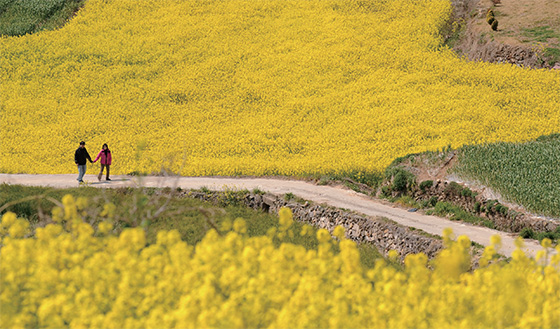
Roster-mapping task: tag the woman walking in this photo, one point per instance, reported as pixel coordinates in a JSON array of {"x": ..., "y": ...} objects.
[{"x": 105, "y": 155}]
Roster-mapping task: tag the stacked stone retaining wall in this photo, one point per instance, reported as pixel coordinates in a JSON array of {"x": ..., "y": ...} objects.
[{"x": 384, "y": 234}]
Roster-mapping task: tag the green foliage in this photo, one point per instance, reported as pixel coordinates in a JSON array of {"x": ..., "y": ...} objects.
[
  {"x": 447, "y": 209},
  {"x": 541, "y": 33},
  {"x": 289, "y": 196},
  {"x": 407, "y": 201},
  {"x": 258, "y": 191},
  {"x": 453, "y": 188},
  {"x": 552, "y": 55},
  {"x": 372, "y": 179},
  {"x": 477, "y": 207},
  {"x": 466, "y": 192},
  {"x": 501, "y": 209},
  {"x": 549, "y": 138},
  {"x": 426, "y": 184},
  {"x": 524, "y": 173},
  {"x": 528, "y": 233},
  {"x": 433, "y": 201},
  {"x": 20, "y": 17},
  {"x": 401, "y": 179}
]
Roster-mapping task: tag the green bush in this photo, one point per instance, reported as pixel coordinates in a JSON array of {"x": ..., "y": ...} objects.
[
  {"x": 426, "y": 184},
  {"x": 457, "y": 213},
  {"x": 453, "y": 189},
  {"x": 501, "y": 209},
  {"x": 466, "y": 192},
  {"x": 401, "y": 180},
  {"x": 490, "y": 206},
  {"x": 527, "y": 233},
  {"x": 477, "y": 207},
  {"x": 385, "y": 191},
  {"x": 433, "y": 201}
]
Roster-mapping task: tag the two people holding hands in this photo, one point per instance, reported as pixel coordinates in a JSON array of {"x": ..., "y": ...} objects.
[{"x": 81, "y": 155}]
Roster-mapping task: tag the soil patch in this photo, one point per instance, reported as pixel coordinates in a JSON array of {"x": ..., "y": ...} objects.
[{"x": 528, "y": 32}]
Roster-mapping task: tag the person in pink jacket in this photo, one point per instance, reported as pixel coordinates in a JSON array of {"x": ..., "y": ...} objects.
[{"x": 105, "y": 155}]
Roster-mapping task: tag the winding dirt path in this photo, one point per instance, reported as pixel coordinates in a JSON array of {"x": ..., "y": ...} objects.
[{"x": 332, "y": 196}]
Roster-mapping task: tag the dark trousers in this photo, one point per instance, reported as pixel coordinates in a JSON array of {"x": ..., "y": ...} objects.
[{"x": 101, "y": 172}]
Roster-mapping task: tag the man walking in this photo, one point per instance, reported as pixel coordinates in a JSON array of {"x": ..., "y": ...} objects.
[{"x": 80, "y": 158}]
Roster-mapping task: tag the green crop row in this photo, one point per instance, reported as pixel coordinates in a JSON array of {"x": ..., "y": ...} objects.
[
  {"x": 20, "y": 17},
  {"x": 524, "y": 173}
]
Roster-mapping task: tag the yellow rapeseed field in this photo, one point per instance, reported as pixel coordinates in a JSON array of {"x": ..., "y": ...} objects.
[
  {"x": 72, "y": 274},
  {"x": 257, "y": 87}
]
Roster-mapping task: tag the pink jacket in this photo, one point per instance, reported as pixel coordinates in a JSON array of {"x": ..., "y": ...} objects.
[{"x": 105, "y": 160}]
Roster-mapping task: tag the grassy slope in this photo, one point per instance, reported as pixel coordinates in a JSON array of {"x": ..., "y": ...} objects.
[{"x": 524, "y": 173}]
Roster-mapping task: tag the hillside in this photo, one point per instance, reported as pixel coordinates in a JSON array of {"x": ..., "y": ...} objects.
[{"x": 257, "y": 88}]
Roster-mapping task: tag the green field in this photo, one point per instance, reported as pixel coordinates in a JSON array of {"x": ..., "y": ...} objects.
[
  {"x": 524, "y": 173},
  {"x": 20, "y": 17}
]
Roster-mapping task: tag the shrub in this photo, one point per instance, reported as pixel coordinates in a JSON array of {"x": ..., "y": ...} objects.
[
  {"x": 490, "y": 16},
  {"x": 433, "y": 201},
  {"x": 477, "y": 207},
  {"x": 401, "y": 180},
  {"x": 426, "y": 184},
  {"x": 501, "y": 209},
  {"x": 490, "y": 206},
  {"x": 527, "y": 233},
  {"x": 495, "y": 25},
  {"x": 466, "y": 192},
  {"x": 385, "y": 191},
  {"x": 453, "y": 189}
]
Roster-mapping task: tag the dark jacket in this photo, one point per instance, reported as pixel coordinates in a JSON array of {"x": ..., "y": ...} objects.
[{"x": 81, "y": 156}]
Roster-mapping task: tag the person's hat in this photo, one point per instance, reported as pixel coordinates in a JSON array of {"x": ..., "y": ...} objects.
[{"x": 82, "y": 143}]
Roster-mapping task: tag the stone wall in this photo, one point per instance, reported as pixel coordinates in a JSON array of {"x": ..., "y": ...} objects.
[{"x": 382, "y": 233}]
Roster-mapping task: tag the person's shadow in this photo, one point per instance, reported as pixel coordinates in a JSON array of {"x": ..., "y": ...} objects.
[{"x": 104, "y": 182}]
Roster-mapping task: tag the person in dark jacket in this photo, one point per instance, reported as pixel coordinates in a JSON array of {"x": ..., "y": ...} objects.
[{"x": 80, "y": 158}]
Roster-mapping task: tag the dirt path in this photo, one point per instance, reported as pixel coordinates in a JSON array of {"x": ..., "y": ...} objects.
[{"x": 332, "y": 196}]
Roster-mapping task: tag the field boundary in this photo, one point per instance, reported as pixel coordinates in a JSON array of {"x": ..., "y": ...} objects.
[{"x": 338, "y": 197}]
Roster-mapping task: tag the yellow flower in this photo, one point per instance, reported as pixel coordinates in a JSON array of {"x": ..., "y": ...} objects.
[
  {"x": 323, "y": 235},
  {"x": 108, "y": 210},
  {"x": 496, "y": 241},
  {"x": 105, "y": 227},
  {"x": 19, "y": 228},
  {"x": 8, "y": 219},
  {"x": 286, "y": 218},
  {"x": 339, "y": 232},
  {"x": 240, "y": 226}
]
